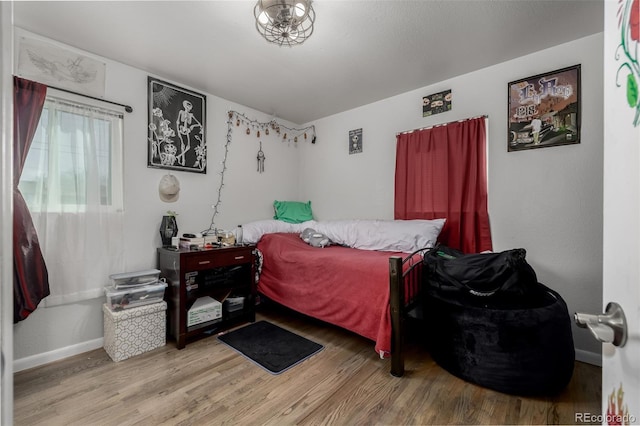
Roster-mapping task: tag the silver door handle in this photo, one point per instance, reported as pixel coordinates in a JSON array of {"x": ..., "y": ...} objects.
[{"x": 609, "y": 327}]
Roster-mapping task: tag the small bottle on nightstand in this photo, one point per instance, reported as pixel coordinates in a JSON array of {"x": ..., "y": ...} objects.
[{"x": 239, "y": 235}]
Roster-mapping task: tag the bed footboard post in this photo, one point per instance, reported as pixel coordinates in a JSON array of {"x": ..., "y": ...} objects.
[{"x": 396, "y": 301}]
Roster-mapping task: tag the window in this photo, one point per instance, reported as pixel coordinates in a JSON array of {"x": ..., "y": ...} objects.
[
  {"x": 72, "y": 182},
  {"x": 75, "y": 159}
]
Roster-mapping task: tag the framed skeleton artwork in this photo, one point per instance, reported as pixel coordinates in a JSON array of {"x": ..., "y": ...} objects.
[{"x": 176, "y": 134}]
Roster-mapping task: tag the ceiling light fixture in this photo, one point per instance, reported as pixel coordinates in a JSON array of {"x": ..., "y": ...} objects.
[{"x": 284, "y": 22}]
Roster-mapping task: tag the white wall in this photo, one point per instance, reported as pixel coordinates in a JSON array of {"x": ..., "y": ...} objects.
[
  {"x": 247, "y": 195},
  {"x": 547, "y": 200}
]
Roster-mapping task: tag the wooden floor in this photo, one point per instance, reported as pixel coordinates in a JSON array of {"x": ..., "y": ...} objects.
[{"x": 345, "y": 384}]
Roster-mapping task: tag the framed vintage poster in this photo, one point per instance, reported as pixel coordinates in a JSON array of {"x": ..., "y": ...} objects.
[
  {"x": 176, "y": 128},
  {"x": 544, "y": 110}
]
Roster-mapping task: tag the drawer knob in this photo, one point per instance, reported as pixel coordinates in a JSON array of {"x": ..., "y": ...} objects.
[
  {"x": 239, "y": 257},
  {"x": 204, "y": 262}
]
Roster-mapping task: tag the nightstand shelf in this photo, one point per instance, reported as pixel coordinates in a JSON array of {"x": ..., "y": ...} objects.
[{"x": 218, "y": 273}]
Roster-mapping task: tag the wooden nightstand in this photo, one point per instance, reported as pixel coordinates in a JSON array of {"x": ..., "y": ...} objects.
[{"x": 218, "y": 273}]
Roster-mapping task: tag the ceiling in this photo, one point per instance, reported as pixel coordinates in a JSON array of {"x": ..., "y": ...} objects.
[{"x": 360, "y": 51}]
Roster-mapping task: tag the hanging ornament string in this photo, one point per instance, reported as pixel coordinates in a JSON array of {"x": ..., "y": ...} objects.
[
  {"x": 236, "y": 119},
  {"x": 288, "y": 134}
]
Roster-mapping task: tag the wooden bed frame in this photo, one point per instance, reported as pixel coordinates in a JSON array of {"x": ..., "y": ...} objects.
[{"x": 404, "y": 299}]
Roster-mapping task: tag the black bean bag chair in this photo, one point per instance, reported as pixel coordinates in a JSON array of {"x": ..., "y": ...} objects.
[{"x": 524, "y": 349}]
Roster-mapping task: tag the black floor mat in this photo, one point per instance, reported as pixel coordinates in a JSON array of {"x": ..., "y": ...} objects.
[{"x": 270, "y": 346}]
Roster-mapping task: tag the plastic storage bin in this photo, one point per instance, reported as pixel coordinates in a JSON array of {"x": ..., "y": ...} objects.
[
  {"x": 134, "y": 279},
  {"x": 118, "y": 299},
  {"x": 134, "y": 331}
]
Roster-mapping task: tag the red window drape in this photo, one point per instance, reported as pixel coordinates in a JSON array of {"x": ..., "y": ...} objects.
[
  {"x": 30, "y": 277},
  {"x": 441, "y": 172}
]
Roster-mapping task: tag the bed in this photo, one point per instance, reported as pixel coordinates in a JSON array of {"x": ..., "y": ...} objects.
[{"x": 366, "y": 281}]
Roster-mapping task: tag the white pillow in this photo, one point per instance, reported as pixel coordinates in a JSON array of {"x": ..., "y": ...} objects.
[
  {"x": 384, "y": 235},
  {"x": 253, "y": 231}
]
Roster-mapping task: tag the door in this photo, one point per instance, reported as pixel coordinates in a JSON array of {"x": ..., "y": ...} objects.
[{"x": 621, "y": 280}]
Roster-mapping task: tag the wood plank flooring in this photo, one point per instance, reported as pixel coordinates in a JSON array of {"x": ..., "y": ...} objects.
[{"x": 207, "y": 383}]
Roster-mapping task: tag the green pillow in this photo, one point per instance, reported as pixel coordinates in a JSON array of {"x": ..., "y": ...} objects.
[{"x": 292, "y": 211}]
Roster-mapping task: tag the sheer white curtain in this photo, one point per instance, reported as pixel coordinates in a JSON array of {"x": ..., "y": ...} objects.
[{"x": 72, "y": 183}]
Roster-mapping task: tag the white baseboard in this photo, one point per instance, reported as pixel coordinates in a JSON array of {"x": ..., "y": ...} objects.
[
  {"x": 55, "y": 355},
  {"x": 58, "y": 354},
  {"x": 589, "y": 357}
]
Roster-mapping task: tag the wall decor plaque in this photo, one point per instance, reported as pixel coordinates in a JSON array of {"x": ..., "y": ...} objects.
[{"x": 54, "y": 66}]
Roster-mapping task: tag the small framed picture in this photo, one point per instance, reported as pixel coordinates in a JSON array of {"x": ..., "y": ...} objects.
[
  {"x": 176, "y": 128},
  {"x": 436, "y": 103},
  {"x": 544, "y": 110},
  {"x": 355, "y": 141}
]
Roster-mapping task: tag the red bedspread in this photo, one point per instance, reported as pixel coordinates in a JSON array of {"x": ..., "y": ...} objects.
[{"x": 343, "y": 286}]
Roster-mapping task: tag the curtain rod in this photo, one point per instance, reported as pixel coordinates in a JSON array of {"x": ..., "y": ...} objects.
[
  {"x": 441, "y": 124},
  {"x": 127, "y": 108}
]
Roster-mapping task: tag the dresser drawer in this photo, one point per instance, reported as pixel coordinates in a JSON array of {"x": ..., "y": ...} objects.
[{"x": 208, "y": 259}]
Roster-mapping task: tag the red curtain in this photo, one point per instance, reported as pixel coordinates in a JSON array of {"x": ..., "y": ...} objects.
[
  {"x": 441, "y": 173},
  {"x": 30, "y": 277}
]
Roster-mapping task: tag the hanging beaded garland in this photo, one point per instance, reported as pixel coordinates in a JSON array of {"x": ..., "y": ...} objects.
[{"x": 289, "y": 134}]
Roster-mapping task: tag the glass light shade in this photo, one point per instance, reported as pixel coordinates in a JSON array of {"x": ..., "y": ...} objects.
[{"x": 263, "y": 18}]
